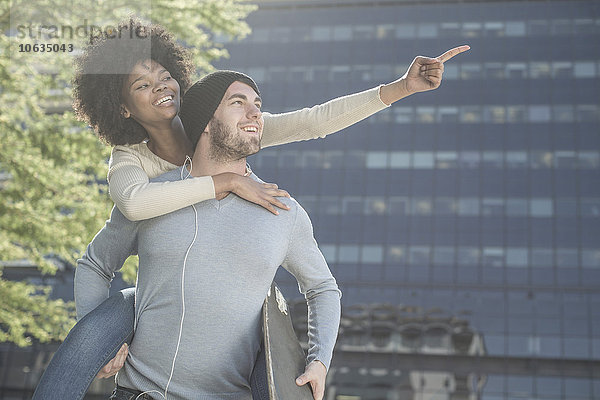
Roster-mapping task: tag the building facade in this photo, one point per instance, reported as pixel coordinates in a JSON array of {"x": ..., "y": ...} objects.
[{"x": 478, "y": 202}]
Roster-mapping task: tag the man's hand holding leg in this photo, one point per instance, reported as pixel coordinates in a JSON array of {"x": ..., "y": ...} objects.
[{"x": 115, "y": 364}]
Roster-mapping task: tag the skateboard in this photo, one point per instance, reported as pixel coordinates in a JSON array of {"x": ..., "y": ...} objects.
[{"x": 284, "y": 356}]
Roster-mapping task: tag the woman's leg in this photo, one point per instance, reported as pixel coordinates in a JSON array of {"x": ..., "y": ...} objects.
[
  {"x": 258, "y": 379},
  {"x": 92, "y": 343}
]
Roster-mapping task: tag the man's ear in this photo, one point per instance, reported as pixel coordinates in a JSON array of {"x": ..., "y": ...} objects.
[{"x": 125, "y": 112}]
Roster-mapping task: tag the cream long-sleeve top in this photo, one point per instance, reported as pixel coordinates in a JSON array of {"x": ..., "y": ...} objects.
[{"x": 131, "y": 166}]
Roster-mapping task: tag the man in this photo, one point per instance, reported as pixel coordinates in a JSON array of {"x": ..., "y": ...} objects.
[{"x": 205, "y": 270}]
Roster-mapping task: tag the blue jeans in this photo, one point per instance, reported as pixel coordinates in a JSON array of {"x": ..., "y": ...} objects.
[
  {"x": 95, "y": 340},
  {"x": 92, "y": 343}
]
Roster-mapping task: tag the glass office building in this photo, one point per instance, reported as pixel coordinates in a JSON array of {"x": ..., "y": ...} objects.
[{"x": 463, "y": 224}]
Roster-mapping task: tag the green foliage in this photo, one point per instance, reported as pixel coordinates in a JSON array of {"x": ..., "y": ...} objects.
[
  {"x": 54, "y": 198},
  {"x": 26, "y": 313}
]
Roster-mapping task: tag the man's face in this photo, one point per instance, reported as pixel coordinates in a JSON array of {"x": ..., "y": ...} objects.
[{"x": 236, "y": 127}]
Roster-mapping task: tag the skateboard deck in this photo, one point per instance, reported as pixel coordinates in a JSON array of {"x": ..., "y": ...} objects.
[{"x": 284, "y": 356}]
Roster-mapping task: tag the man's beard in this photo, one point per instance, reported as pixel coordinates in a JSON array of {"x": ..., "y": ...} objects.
[{"x": 227, "y": 145}]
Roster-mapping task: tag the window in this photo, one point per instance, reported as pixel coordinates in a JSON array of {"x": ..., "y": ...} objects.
[
  {"x": 321, "y": 34},
  {"x": 542, "y": 258},
  {"x": 494, "y": 29},
  {"x": 446, "y": 159},
  {"x": 288, "y": 159},
  {"x": 562, "y": 69},
  {"x": 260, "y": 35},
  {"x": 312, "y": 159},
  {"x": 565, "y": 159},
  {"x": 589, "y": 160},
  {"x": 590, "y": 258},
  {"x": 364, "y": 32},
  {"x": 348, "y": 254},
  {"x": 493, "y": 256},
  {"x": 449, "y": 29},
  {"x": 423, "y": 159},
  {"x": 399, "y": 205},
  {"x": 566, "y": 207},
  {"x": 443, "y": 255},
  {"x": 396, "y": 254},
  {"x": 588, "y": 113},
  {"x": 362, "y": 73},
  {"x": 515, "y": 28},
  {"x": 517, "y": 257},
  {"x": 470, "y": 114},
  {"x": 541, "y": 207},
  {"x": 400, "y": 159},
  {"x": 516, "y": 70},
  {"x": 541, "y": 159},
  {"x": 561, "y": 27},
  {"x": 494, "y": 70},
  {"x": 590, "y": 207},
  {"x": 516, "y": 207},
  {"x": 377, "y": 159},
  {"x": 584, "y": 27},
  {"x": 329, "y": 252},
  {"x": 352, "y": 205},
  {"x": 342, "y": 32},
  {"x": 516, "y": 159},
  {"x": 386, "y": 31},
  {"x": 427, "y": 30},
  {"x": 329, "y": 205},
  {"x": 450, "y": 71},
  {"x": 493, "y": 159},
  {"x": 539, "y": 27},
  {"x": 278, "y": 74},
  {"x": 468, "y": 256},
  {"x": 340, "y": 73},
  {"x": 563, "y": 113},
  {"x": 421, "y": 206},
  {"x": 471, "y": 29},
  {"x": 468, "y": 206},
  {"x": 515, "y": 113},
  {"x": 375, "y": 206},
  {"x": 470, "y": 159},
  {"x": 567, "y": 258},
  {"x": 403, "y": 115},
  {"x": 492, "y": 206},
  {"x": 447, "y": 114},
  {"x": 406, "y": 31},
  {"x": 372, "y": 254},
  {"x": 258, "y": 74},
  {"x": 419, "y": 256},
  {"x": 540, "y": 113},
  {"x": 471, "y": 71},
  {"x": 382, "y": 72},
  {"x": 281, "y": 34}
]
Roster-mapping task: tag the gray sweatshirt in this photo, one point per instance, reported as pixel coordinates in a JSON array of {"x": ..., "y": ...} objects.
[{"x": 213, "y": 263}]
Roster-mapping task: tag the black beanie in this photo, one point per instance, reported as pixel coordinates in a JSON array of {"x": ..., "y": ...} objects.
[{"x": 202, "y": 99}]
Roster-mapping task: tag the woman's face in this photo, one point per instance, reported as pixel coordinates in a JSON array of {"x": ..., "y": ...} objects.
[{"x": 150, "y": 95}]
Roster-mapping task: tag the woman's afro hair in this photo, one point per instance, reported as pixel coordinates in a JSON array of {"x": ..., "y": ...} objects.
[{"x": 105, "y": 65}]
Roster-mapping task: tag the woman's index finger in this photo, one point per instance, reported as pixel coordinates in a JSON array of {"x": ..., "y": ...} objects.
[{"x": 452, "y": 52}]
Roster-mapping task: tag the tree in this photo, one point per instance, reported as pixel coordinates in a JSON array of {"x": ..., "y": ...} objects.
[{"x": 55, "y": 196}]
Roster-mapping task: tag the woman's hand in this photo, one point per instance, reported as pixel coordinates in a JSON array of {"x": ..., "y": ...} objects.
[
  {"x": 424, "y": 73},
  {"x": 263, "y": 194},
  {"x": 114, "y": 365}
]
